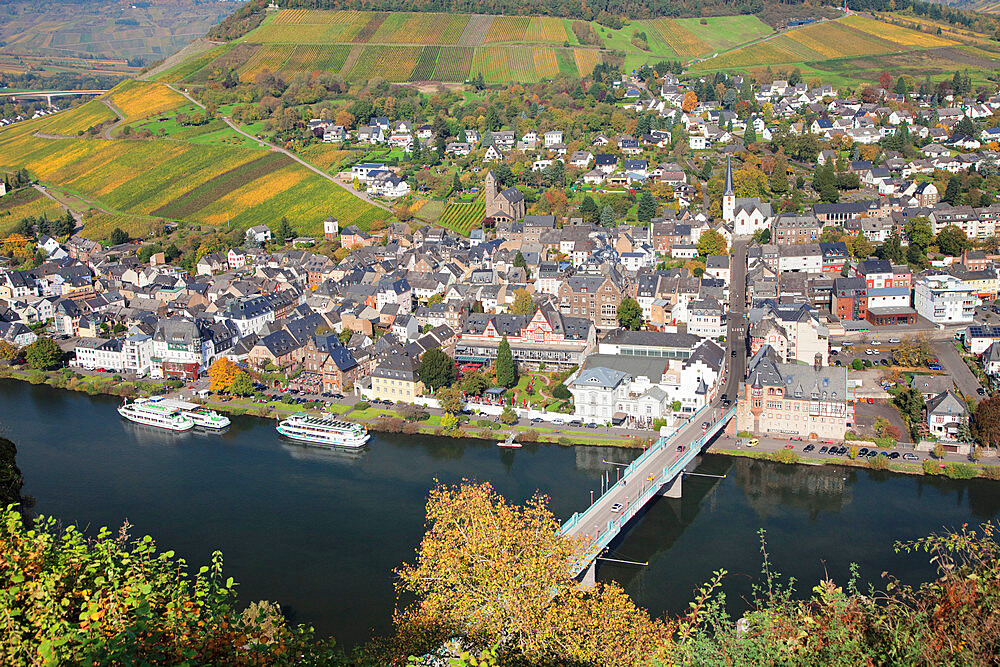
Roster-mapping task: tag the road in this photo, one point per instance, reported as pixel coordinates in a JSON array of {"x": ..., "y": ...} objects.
[
  {"x": 118, "y": 112},
  {"x": 954, "y": 365},
  {"x": 290, "y": 154},
  {"x": 625, "y": 491},
  {"x": 737, "y": 333}
]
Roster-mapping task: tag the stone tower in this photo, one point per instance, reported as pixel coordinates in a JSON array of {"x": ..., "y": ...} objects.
[{"x": 490, "y": 194}]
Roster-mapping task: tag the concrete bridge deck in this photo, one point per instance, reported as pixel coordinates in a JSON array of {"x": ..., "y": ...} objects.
[{"x": 658, "y": 471}]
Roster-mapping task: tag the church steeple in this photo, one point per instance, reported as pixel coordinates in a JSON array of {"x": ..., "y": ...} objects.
[{"x": 728, "y": 192}]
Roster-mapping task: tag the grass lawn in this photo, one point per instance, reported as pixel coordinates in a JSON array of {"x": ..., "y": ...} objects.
[
  {"x": 338, "y": 409},
  {"x": 370, "y": 413}
]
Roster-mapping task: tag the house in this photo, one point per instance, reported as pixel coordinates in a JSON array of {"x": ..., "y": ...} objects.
[
  {"x": 353, "y": 237},
  {"x": 327, "y": 357},
  {"x": 806, "y": 401},
  {"x": 259, "y": 234},
  {"x": 944, "y": 299},
  {"x": 395, "y": 379},
  {"x": 946, "y": 415}
]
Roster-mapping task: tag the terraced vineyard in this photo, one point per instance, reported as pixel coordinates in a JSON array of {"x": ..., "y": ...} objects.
[
  {"x": 208, "y": 184},
  {"x": 463, "y": 218}
]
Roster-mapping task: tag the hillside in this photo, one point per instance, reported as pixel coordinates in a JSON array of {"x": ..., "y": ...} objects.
[
  {"x": 206, "y": 175},
  {"x": 359, "y": 46},
  {"x": 410, "y": 46}
]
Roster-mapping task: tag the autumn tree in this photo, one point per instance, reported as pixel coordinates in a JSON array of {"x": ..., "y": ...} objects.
[
  {"x": 497, "y": 575},
  {"x": 986, "y": 422},
  {"x": 222, "y": 372},
  {"x": 690, "y": 101},
  {"x": 862, "y": 248},
  {"x": 43, "y": 354},
  {"x": 750, "y": 181},
  {"x": 911, "y": 351},
  {"x": 952, "y": 240},
  {"x": 450, "y": 399},
  {"x": 475, "y": 383},
  {"x": 712, "y": 242},
  {"x": 523, "y": 303}
]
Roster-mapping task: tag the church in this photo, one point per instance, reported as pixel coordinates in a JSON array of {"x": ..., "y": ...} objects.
[
  {"x": 507, "y": 205},
  {"x": 745, "y": 216}
]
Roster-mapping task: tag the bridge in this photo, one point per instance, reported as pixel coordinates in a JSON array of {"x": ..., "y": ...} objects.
[
  {"x": 49, "y": 94},
  {"x": 658, "y": 471}
]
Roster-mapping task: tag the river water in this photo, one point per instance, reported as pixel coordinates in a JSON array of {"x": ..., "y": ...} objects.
[{"x": 321, "y": 532}]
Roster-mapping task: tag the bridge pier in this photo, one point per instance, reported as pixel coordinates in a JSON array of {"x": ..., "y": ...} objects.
[
  {"x": 588, "y": 578},
  {"x": 672, "y": 489}
]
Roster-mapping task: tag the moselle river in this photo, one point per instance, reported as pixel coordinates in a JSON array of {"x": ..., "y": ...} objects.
[{"x": 320, "y": 532}]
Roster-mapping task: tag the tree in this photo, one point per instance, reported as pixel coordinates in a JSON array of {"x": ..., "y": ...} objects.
[
  {"x": 519, "y": 260},
  {"x": 986, "y": 421},
  {"x": 861, "y": 248},
  {"x": 919, "y": 231},
  {"x": 222, "y": 372},
  {"x": 779, "y": 177},
  {"x": 284, "y": 231},
  {"x": 436, "y": 369},
  {"x": 891, "y": 250},
  {"x": 857, "y": 364},
  {"x": 910, "y": 403},
  {"x": 607, "y": 217},
  {"x": 506, "y": 366},
  {"x": 952, "y": 241},
  {"x": 118, "y": 236},
  {"x": 562, "y": 392},
  {"x": 911, "y": 351},
  {"x": 242, "y": 384},
  {"x": 523, "y": 303},
  {"x": 647, "y": 206},
  {"x": 479, "y": 548},
  {"x": 475, "y": 384},
  {"x": 450, "y": 399},
  {"x": 762, "y": 236},
  {"x": 690, "y": 101},
  {"x": 589, "y": 210},
  {"x": 508, "y": 416},
  {"x": 712, "y": 242},
  {"x": 953, "y": 192},
  {"x": 43, "y": 354},
  {"x": 629, "y": 314}
]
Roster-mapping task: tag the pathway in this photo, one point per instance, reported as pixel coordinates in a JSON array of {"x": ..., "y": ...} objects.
[
  {"x": 290, "y": 154},
  {"x": 118, "y": 112}
]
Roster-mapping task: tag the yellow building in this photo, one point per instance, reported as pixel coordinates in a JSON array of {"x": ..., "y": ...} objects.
[{"x": 395, "y": 379}]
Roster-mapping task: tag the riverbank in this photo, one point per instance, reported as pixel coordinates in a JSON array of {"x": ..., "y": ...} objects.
[{"x": 372, "y": 417}]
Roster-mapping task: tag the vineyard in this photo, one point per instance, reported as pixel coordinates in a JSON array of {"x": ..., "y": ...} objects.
[
  {"x": 80, "y": 119},
  {"x": 392, "y": 63},
  {"x": 205, "y": 184},
  {"x": 424, "y": 70},
  {"x": 142, "y": 99},
  {"x": 683, "y": 42},
  {"x": 586, "y": 60},
  {"x": 23, "y": 204},
  {"x": 269, "y": 57},
  {"x": 721, "y": 33},
  {"x": 412, "y": 28},
  {"x": 547, "y": 29},
  {"x": 463, "y": 218},
  {"x": 898, "y": 34},
  {"x": 833, "y": 40},
  {"x": 453, "y": 63},
  {"x": 506, "y": 29}
]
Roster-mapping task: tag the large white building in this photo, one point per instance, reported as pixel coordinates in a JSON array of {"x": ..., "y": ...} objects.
[
  {"x": 944, "y": 299},
  {"x": 746, "y": 216}
]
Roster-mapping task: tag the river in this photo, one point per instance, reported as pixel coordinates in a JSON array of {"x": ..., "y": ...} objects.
[{"x": 320, "y": 532}]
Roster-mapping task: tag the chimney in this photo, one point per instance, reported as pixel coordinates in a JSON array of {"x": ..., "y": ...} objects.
[{"x": 818, "y": 361}]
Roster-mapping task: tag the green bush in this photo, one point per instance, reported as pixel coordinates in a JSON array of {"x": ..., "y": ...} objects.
[
  {"x": 880, "y": 462},
  {"x": 885, "y": 443},
  {"x": 783, "y": 456},
  {"x": 956, "y": 470},
  {"x": 361, "y": 405},
  {"x": 991, "y": 472},
  {"x": 931, "y": 468},
  {"x": 561, "y": 392}
]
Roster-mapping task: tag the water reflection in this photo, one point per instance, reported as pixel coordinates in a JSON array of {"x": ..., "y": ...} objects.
[{"x": 321, "y": 454}]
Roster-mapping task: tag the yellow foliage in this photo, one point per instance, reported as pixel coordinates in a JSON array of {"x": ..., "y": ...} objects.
[{"x": 222, "y": 373}]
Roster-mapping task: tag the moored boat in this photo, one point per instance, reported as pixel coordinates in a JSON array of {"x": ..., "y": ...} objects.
[
  {"x": 152, "y": 413},
  {"x": 199, "y": 414},
  {"x": 323, "y": 431}
]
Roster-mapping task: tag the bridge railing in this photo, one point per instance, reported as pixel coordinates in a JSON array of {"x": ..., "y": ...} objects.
[
  {"x": 652, "y": 451},
  {"x": 614, "y": 526}
]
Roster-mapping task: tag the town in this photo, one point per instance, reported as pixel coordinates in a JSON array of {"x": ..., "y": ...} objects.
[{"x": 839, "y": 317}]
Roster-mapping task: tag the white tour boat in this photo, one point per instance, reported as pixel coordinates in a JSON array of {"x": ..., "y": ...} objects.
[
  {"x": 323, "y": 431},
  {"x": 152, "y": 413},
  {"x": 199, "y": 414}
]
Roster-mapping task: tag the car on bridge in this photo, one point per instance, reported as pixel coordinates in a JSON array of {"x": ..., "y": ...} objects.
[
  {"x": 617, "y": 507},
  {"x": 704, "y": 426}
]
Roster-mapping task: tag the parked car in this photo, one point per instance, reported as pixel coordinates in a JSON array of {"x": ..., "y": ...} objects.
[
  {"x": 934, "y": 367},
  {"x": 752, "y": 442},
  {"x": 558, "y": 420},
  {"x": 893, "y": 341},
  {"x": 863, "y": 451},
  {"x": 980, "y": 391},
  {"x": 590, "y": 424},
  {"x": 908, "y": 456},
  {"x": 894, "y": 456},
  {"x": 823, "y": 449},
  {"x": 536, "y": 420},
  {"x": 809, "y": 448},
  {"x": 576, "y": 422}
]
